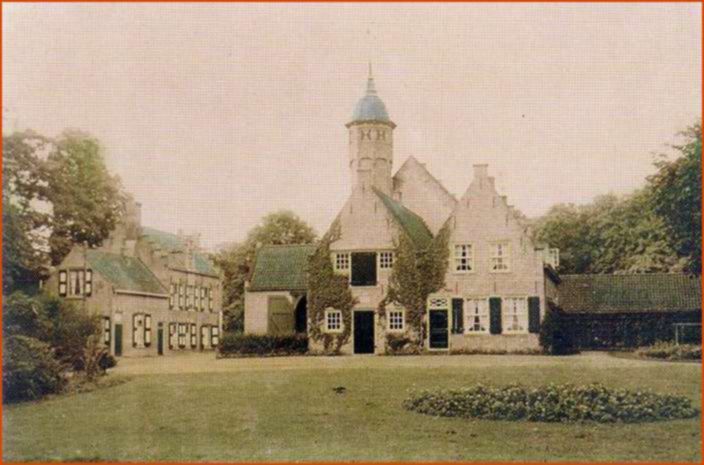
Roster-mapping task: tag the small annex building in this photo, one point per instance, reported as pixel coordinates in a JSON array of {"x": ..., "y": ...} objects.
[{"x": 157, "y": 292}]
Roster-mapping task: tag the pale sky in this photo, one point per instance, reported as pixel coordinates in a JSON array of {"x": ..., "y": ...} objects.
[{"x": 215, "y": 114}]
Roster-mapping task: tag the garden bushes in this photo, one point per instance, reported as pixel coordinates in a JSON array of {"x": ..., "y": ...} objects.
[
  {"x": 555, "y": 334},
  {"x": 234, "y": 345},
  {"x": 671, "y": 351},
  {"x": 551, "y": 403},
  {"x": 29, "y": 370}
]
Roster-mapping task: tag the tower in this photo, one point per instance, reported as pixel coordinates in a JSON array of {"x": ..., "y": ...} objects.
[{"x": 371, "y": 142}]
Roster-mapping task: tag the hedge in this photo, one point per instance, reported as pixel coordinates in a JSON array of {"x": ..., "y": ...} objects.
[
  {"x": 671, "y": 351},
  {"x": 235, "y": 344},
  {"x": 29, "y": 370},
  {"x": 551, "y": 403}
]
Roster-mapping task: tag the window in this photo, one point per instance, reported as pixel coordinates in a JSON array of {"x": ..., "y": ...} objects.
[
  {"x": 62, "y": 283},
  {"x": 464, "y": 257},
  {"x": 500, "y": 257},
  {"x": 204, "y": 342},
  {"x": 342, "y": 261},
  {"x": 189, "y": 297},
  {"x": 515, "y": 315},
  {"x": 181, "y": 295},
  {"x": 147, "y": 330},
  {"x": 363, "y": 269},
  {"x": 553, "y": 257},
  {"x": 106, "y": 330},
  {"x": 172, "y": 295},
  {"x": 182, "y": 335},
  {"x": 89, "y": 283},
  {"x": 194, "y": 336},
  {"x": 477, "y": 316},
  {"x": 386, "y": 260},
  {"x": 203, "y": 291},
  {"x": 396, "y": 320},
  {"x": 215, "y": 335},
  {"x": 333, "y": 321},
  {"x": 172, "y": 335},
  {"x": 210, "y": 298},
  {"x": 138, "y": 330}
]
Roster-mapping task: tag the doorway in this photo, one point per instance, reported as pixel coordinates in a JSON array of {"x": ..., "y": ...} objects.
[
  {"x": 364, "y": 332},
  {"x": 438, "y": 329},
  {"x": 118, "y": 340}
]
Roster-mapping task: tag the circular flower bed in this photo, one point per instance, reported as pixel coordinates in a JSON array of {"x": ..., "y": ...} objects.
[{"x": 551, "y": 403}]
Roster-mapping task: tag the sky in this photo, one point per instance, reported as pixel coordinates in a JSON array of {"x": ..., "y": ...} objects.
[{"x": 214, "y": 115}]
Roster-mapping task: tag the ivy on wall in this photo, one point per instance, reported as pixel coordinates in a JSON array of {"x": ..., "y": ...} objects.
[
  {"x": 417, "y": 273},
  {"x": 327, "y": 289}
]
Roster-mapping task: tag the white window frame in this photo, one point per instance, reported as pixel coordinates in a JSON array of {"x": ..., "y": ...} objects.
[
  {"x": 514, "y": 309},
  {"x": 500, "y": 260},
  {"x": 147, "y": 330},
  {"x": 181, "y": 296},
  {"x": 476, "y": 307},
  {"x": 396, "y": 320},
  {"x": 210, "y": 298},
  {"x": 463, "y": 252},
  {"x": 386, "y": 260},
  {"x": 63, "y": 283},
  {"x": 194, "y": 336},
  {"x": 107, "y": 331},
  {"x": 330, "y": 316},
  {"x": 182, "y": 331},
  {"x": 214, "y": 335},
  {"x": 342, "y": 261}
]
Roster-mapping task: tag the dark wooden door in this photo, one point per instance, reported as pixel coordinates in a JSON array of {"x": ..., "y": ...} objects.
[
  {"x": 160, "y": 341},
  {"x": 118, "y": 340},
  {"x": 364, "y": 332},
  {"x": 438, "y": 329}
]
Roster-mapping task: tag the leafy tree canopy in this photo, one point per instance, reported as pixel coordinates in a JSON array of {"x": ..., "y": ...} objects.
[
  {"x": 56, "y": 193},
  {"x": 279, "y": 228}
]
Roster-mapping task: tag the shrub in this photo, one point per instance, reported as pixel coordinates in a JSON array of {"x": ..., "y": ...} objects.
[
  {"x": 24, "y": 315},
  {"x": 233, "y": 345},
  {"x": 555, "y": 336},
  {"x": 551, "y": 403},
  {"x": 401, "y": 344},
  {"x": 29, "y": 370},
  {"x": 671, "y": 351}
]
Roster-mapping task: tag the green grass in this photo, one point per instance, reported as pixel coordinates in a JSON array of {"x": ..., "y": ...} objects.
[{"x": 294, "y": 415}]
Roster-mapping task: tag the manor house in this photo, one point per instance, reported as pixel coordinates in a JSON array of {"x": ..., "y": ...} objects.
[{"x": 497, "y": 284}]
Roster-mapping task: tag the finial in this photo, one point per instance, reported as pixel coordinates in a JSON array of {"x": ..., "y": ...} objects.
[{"x": 371, "y": 89}]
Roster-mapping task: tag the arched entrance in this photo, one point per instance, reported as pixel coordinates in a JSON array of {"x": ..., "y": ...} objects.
[{"x": 301, "y": 315}]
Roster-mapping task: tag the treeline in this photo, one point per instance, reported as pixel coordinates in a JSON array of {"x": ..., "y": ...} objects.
[{"x": 655, "y": 229}]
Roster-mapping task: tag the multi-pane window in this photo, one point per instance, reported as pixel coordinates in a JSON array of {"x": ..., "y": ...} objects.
[
  {"x": 215, "y": 335},
  {"x": 342, "y": 261},
  {"x": 147, "y": 330},
  {"x": 138, "y": 330},
  {"x": 464, "y": 257},
  {"x": 173, "y": 338},
  {"x": 189, "y": 297},
  {"x": 386, "y": 260},
  {"x": 172, "y": 295},
  {"x": 181, "y": 295},
  {"x": 396, "y": 320},
  {"x": 500, "y": 257},
  {"x": 75, "y": 283},
  {"x": 106, "y": 330},
  {"x": 477, "y": 315},
  {"x": 194, "y": 336},
  {"x": 182, "y": 328},
  {"x": 333, "y": 321},
  {"x": 515, "y": 315},
  {"x": 210, "y": 298},
  {"x": 204, "y": 339},
  {"x": 203, "y": 291}
]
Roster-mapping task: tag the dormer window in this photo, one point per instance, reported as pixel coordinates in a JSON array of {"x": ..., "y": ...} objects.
[{"x": 75, "y": 283}]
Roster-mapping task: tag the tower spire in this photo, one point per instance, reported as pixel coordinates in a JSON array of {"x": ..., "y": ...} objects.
[{"x": 371, "y": 89}]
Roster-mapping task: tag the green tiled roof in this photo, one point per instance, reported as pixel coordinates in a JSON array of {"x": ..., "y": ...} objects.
[
  {"x": 657, "y": 292},
  {"x": 411, "y": 223},
  {"x": 281, "y": 268},
  {"x": 125, "y": 273},
  {"x": 172, "y": 243}
]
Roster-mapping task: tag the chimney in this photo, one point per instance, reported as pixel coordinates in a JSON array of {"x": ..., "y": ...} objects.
[{"x": 481, "y": 171}]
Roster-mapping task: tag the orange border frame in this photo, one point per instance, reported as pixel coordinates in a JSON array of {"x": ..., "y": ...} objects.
[{"x": 339, "y": 1}]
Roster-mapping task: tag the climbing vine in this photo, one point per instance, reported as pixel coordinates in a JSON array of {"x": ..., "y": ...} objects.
[
  {"x": 418, "y": 271},
  {"x": 326, "y": 290}
]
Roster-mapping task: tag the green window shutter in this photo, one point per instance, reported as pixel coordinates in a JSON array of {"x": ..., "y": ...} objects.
[
  {"x": 457, "y": 316},
  {"x": 533, "y": 314},
  {"x": 495, "y": 315}
]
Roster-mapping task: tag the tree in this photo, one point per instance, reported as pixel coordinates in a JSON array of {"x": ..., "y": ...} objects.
[
  {"x": 279, "y": 228},
  {"x": 56, "y": 193},
  {"x": 677, "y": 197}
]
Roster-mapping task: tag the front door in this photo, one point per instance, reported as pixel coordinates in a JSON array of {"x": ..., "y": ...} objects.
[
  {"x": 364, "y": 332},
  {"x": 438, "y": 329},
  {"x": 118, "y": 340},
  {"x": 160, "y": 340}
]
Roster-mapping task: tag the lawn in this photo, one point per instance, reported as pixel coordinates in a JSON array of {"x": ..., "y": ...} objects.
[{"x": 287, "y": 409}]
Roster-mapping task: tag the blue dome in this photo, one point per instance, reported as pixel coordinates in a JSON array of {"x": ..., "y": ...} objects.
[{"x": 370, "y": 107}]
